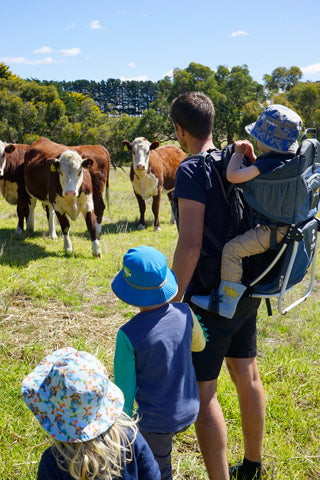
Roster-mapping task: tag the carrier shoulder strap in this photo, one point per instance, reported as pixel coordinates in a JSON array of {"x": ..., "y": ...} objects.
[
  {"x": 230, "y": 192},
  {"x": 216, "y": 163}
]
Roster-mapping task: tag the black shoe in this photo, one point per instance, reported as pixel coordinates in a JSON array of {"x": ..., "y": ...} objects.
[{"x": 245, "y": 471}]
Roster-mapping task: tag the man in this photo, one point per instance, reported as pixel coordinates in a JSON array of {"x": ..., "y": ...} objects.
[{"x": 196, "y": 264}]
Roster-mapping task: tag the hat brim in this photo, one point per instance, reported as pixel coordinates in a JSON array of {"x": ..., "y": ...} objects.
[
  {"x": 145, "y": 297},
  {"x": 110, "y": 410},
  {"x": 275, "y": 144}
]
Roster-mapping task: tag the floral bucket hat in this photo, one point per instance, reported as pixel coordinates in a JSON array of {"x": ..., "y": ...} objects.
[
  {"x": 278, "y": 128},
  {"x": 145, "y": 279},
  {"x": 71, "y": 396}
]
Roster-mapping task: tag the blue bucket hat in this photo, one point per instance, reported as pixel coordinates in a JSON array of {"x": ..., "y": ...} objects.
[
  {"x": 278, "y": 128},
  {"x": 145, "y": 280}
]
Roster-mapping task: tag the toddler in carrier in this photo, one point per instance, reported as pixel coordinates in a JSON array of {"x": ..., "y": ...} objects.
[{"x": 276, "y": 131}]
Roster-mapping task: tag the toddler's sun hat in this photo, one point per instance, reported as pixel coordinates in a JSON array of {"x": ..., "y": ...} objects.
[
  {"x": 71, "y": 396},
  {"x": 145, "y": 279},
  {"x": 278, "y": 128}
]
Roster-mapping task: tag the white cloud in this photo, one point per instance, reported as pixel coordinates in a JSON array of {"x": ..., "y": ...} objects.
[
  {"x": 70, "y": 52},
  {"x": 45, "y": 60},
  {"x": 72, "y": 25},
  {"x": 132, "y": 65},
  {"x": 95, "y": 25},
  {"x": 311, "y": 69},
  {"x": 239, "y": 33},
  {"x": 44, "y": 49},
  {"x": 139, "y": 78},
  {"x": 26, "y": 61}
]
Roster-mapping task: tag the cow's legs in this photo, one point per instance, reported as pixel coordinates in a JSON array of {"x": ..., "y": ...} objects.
[
  {"x": 21, "y": 217},
  {"x": 30, "y": 215},
  {"x": 142, "y": 209},
  {"x": 99, "y": 207},
  {"x": 155, "y": 210},
  {"x": 170, "y": 196},
  {"x": 51, "y": 216},
  {"x": 22, "y": 212},
  {"x": 25, "y": 210},
  {"x": 65, "y": 227},
  {"x": 91, "y": 225}
]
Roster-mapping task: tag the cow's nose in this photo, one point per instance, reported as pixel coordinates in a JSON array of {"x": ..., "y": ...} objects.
[
  {"x": 140, "y": 167},
  {"x": 70, "y": 193}
]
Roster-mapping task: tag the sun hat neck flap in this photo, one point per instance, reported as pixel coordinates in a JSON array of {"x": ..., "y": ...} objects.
[
  {"x": 71, "y": 396},
  {"x": 145, "y": 280},
  {"x": 278, "y": 128}
]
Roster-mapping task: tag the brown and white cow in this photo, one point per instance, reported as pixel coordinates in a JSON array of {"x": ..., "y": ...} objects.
[
  {"x": 59, "y": 178},
  {"x": 12, "y": 184},
  {"x": 152, "y": 170},
  {"x": 99, "y": 173}
]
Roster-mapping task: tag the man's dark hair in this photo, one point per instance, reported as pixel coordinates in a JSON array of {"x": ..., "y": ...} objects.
[{"x": 194, "y": 111}]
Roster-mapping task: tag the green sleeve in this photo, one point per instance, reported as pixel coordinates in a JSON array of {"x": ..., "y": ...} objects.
[{"x": 125, "y": 370}]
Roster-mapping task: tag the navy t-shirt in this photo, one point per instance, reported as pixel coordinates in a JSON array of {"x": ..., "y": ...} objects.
[
  {"x": 190, "y": 184},
  {"x": 271, "y": 160}
]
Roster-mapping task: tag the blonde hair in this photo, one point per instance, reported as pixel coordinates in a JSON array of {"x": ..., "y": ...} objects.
[{"x": 100, "y": 458}]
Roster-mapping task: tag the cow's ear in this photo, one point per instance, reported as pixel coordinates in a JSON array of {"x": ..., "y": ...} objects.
[
  {"x": 54, "y": 164},
  {"x": 154, "y": 145},
  {"x": 127, "y": 145},
  {"x": 9, "y": 148},
  {"x": 87, "y": 163}
]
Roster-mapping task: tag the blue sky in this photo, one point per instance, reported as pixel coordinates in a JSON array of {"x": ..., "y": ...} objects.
[{"x": 145, "y": 40}]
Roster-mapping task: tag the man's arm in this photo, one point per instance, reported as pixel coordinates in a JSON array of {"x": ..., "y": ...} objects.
[{"x": 186, "y": 256}]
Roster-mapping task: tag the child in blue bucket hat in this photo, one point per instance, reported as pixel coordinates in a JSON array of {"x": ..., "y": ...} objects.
[
  {"x": 153, "y": 362},
  {"x": 277, "y": 131},
  {"x": 71, "y": 396}
]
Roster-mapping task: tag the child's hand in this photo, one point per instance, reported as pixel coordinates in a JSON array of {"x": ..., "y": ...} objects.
[
  {"x": 244, "y": 147},
  {"x": 250, "y": 153},
  {"x": 240, "y": 146}
]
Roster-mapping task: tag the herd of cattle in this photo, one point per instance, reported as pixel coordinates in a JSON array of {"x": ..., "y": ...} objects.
[{"x": 69, "y": 180}]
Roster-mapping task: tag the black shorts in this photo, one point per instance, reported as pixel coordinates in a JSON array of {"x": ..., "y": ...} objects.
[{"x": 235, "y": 338}]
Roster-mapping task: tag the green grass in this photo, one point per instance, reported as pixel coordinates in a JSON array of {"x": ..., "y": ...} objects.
[{"x": 49, "y": 300}]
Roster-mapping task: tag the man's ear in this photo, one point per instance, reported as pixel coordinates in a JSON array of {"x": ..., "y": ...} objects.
[{"x": 179, "y": 128}]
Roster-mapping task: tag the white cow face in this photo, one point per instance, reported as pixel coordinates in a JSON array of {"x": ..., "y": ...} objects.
[
  {"x": 140, "y": 153},
  {"x": 70, "y": 166},
  {"x": 4, "y": 148}
]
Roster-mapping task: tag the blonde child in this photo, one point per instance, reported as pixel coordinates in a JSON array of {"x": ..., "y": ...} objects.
[{"x": 82, "y": 410}]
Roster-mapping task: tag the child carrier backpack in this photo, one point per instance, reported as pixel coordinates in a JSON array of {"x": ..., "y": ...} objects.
[{"x": 289, "y": 194}]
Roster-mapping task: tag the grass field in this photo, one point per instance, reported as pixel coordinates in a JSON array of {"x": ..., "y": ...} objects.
[{"x": 49, "y": 300}]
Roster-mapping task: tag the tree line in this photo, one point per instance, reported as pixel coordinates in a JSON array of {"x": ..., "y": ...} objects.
[
  {"x": 131, "y": 97},
  {"x": 110, "y": 111}
]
